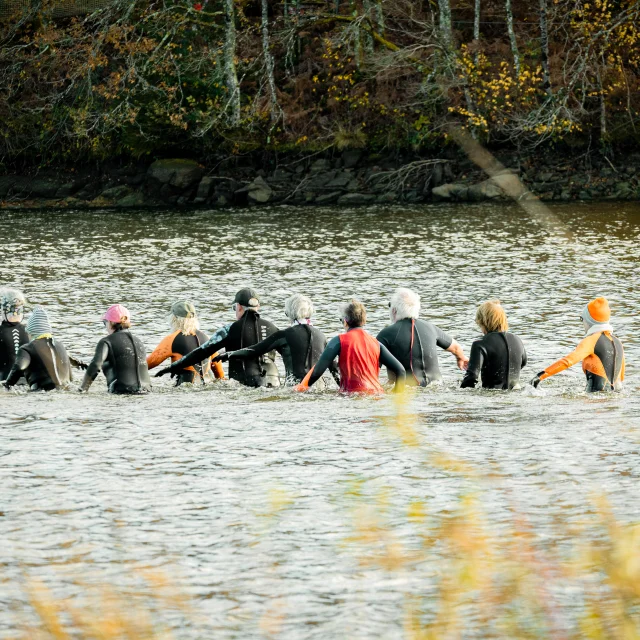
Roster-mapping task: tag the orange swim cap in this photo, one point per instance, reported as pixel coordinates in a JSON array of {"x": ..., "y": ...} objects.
[{"x": 599, "y": 310}]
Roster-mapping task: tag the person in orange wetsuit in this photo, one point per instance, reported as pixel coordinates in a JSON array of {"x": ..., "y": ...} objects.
[
  {"x": 601, "y": 353},
  {"x": 185, "y": 338},
  {"x": 359, "y": 354}
]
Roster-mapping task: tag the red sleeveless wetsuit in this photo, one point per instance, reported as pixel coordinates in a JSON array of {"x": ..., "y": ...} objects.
[{"x": 359, "y": 362}]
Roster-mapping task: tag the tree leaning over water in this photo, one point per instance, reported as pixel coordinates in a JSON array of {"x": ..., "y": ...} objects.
[{"x": 138, "y": 78}]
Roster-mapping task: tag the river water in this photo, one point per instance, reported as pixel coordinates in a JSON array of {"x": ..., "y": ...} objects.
[{"x": 187, "y": 481}]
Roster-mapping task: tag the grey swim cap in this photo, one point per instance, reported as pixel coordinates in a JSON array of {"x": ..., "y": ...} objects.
[{"x": 38, "y": 323}]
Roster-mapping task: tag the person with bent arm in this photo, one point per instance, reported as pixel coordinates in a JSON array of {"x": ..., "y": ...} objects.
[
  {"x": 413, "y": 341},
  {"x": 359, "y": 354}
]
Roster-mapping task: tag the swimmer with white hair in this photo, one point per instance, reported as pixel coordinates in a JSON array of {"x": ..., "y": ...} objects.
[{"x": 413, "y": 341}]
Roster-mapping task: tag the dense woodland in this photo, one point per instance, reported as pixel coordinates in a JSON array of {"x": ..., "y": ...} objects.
[{"x": 139, "y": 78}]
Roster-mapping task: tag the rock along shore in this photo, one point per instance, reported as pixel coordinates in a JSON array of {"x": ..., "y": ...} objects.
[{"x": 349, "y": 178}]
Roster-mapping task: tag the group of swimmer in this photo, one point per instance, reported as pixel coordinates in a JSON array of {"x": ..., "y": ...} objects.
[{"x": 407, "y": 347}]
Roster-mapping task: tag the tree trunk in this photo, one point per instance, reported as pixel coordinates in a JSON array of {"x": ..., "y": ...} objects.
[
  {"x": 476, "y": 31},
  {"x": 268, "y": 61},
  {"x": 512, "y": 37},
  {"x": 231, "y": 75},
  {"x": 445, "y": 22},
  {"x": 544, "y": 45}
]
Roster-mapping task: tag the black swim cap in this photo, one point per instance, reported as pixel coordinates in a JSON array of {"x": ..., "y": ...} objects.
[{"x": 247, "y": 298}]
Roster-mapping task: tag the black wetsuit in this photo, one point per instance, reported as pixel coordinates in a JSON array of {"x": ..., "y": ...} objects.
[
  {"x": 12, "y": 336},
  {"x": 421, "y": 361},
  {"x": 44, "y": 363},
  {"x": 611, "y": 355},
  {"x": 250, "y": 329},
  {"x": 498, "y": 358},
  {"x": 300, "y": 347},
  {"x": 121, "y": 356}
]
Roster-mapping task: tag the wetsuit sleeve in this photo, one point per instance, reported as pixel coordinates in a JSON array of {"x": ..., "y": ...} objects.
[
  {"x": 22, "y": 361},
  {"x": 393, "y": 365},
  {"x": 276, "y": 341},
  {"x": 101, "y": 354},
  {"x": 524, "y": 357},
  {"x": 443, "y": 339},
  {"x": 203, "y": 352},
  {"x": 584, "y": 349},
  {"x": 476, "y": 359},
  {"x": 161, "y": 352},
  {"x": 331, "y": 352}
]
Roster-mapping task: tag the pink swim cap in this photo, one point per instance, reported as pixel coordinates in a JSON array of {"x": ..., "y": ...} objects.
[{"x": 116, "y": 312}]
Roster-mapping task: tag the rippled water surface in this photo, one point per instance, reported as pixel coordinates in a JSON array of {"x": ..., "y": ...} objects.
[{"x": 184, "y": 479}]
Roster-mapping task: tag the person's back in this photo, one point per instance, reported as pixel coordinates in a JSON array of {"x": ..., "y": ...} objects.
[
  {"x": 497, "y": 358},
  {"x": 119, "y": 355},
  {"x": 12, "y": 336},
  {"x": 245, "y": 332},
  {"x": 248, "y": 329},
  {"x": 413, "y": 343},
  {"x": 43, "y": 361},
  {"x": 303, "y": 345},
  {"x": 359, "y": 362}
]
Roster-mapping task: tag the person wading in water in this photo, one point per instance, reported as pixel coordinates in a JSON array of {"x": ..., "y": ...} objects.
[
  {"x": 13, "y": 334},
  {"x": 499, "y": 356},
  {"x": 413, "y": 341},
  {"x": 248, "y": 329},
  {"x": 359, "y": 354},
  {"x": 601, "y": 353},
  {"x": 186, "y": 337}
]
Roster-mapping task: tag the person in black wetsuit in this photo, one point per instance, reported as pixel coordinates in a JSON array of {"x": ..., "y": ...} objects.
[
  {"x": 498, "y": 356},
  {"x": 120, "y": 355},
  {"x": 186, "y": 337},
  {"x": 13, "y": 334},
  {"x": 44, "y": 361},
  {"x": 413, "y": 341},
  {"x": 300, "y": 345},
  {"x": 248, "y": 329}
]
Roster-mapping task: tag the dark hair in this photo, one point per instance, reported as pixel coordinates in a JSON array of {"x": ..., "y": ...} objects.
[
  {"x": 354, "y": 313},
  {"x": 119, "y": 326}
]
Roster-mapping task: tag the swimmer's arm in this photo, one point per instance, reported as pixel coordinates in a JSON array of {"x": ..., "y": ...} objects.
[
  {"x": 393, "y": 365},
  {"x": 274, "y": 341},
  {"x": 163, "y": 351},
  {"x": 456, "y": 349},
  {"x": 23, "y": 360},
  {"x": 584, "y": 349},
  {"x": 196, "y": 356},
  {"x": 335, "y": 371},
  {"x": 446, "y": 342},
  {"x": 101, "y": 354},
  {"x": 622, "y": 369},
  {"x": 474, "y": 367},
  {"x": 331, "y": 352},
  {"x": 524, "y": 358}
]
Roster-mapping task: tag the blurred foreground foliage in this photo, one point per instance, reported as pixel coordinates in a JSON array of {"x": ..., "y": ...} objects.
[
  {"x": 478, "y": 576},
  {"x": 137, "y": 78}
]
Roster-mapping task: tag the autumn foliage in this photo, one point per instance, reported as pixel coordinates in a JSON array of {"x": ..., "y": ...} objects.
[{"x": 141, "y": 78}]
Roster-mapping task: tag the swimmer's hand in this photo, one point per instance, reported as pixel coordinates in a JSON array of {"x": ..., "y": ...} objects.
[
  {"x": 78, "y": 364},
  {"x": 222, "y": 357},
  {"x": 463, "y": 363},
  {"x": 536, "y": 381},
  {"x": 163, "y": 372}
]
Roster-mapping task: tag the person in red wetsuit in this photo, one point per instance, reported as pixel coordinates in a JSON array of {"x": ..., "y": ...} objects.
[
  {"x": 601, "y": 353},
  {"x": 359, "y": 354}
]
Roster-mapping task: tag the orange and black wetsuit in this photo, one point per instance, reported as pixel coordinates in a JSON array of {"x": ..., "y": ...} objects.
[
  {"x": 177, "y": 345},
  {"x": 602, "y": 356}
]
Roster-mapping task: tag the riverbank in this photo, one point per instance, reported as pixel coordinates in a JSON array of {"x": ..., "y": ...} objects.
[{"x": 347, "y": 178}]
